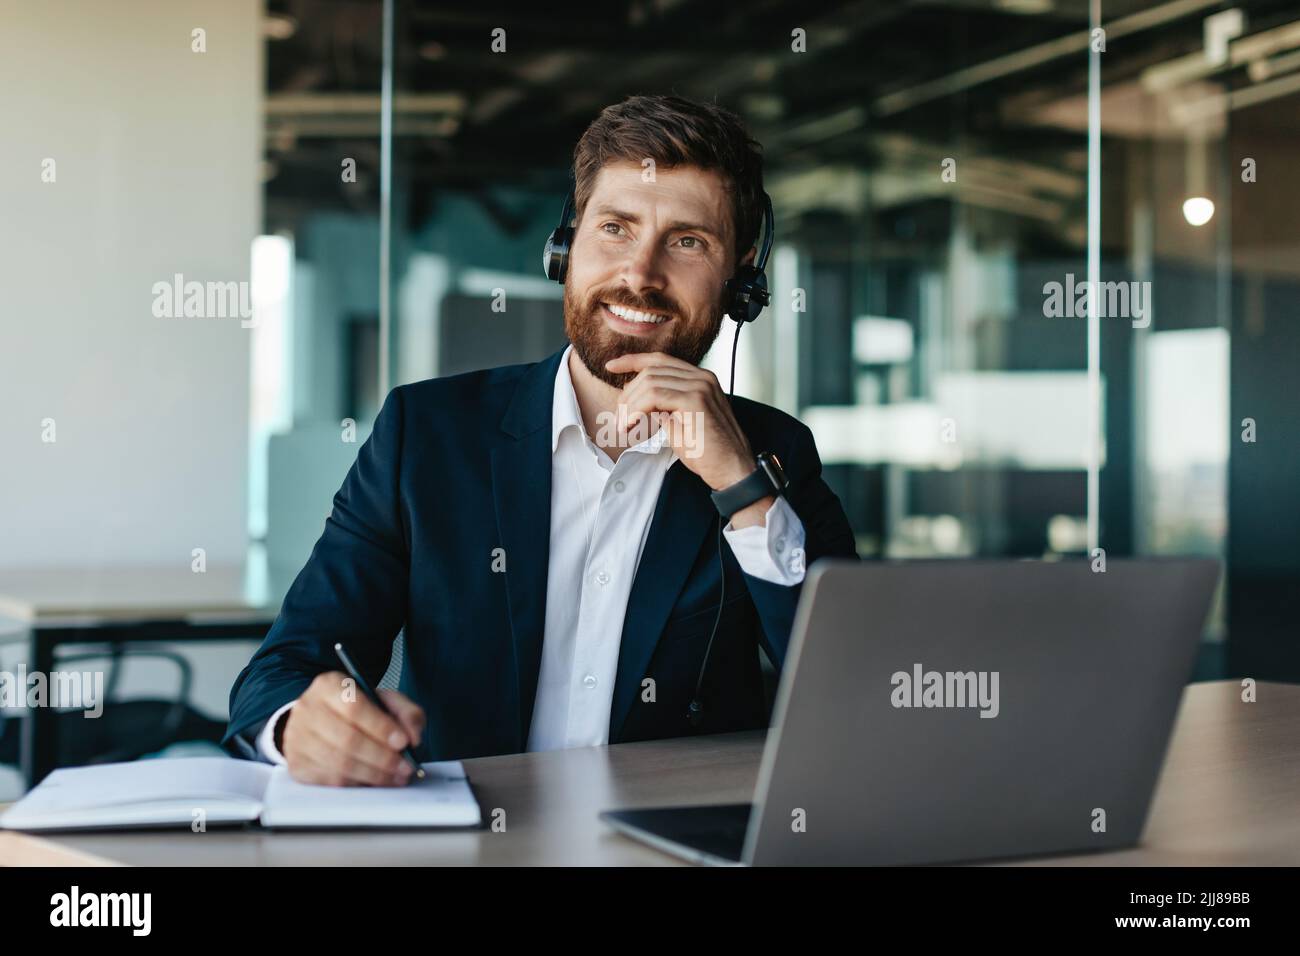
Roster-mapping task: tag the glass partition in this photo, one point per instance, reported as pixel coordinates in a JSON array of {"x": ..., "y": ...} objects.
[
  {"x": 1012, "y": 270},
  {"x": 316, "y": 276}
]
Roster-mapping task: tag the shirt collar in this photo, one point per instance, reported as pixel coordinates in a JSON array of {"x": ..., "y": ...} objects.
[
  {"x": 564, "y": 402},
  {"x": 565, "y": 414}
]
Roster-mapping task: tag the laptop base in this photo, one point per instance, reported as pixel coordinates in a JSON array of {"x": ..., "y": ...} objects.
[{"x": 713, "y": 835}]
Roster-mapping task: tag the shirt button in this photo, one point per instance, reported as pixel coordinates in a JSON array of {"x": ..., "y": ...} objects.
[
  {"x": 590, "y": 682},
  {"x": 619, "y": 486},
  {"x": 780, "y": 544},
  {"x": 602, "y": 578}
]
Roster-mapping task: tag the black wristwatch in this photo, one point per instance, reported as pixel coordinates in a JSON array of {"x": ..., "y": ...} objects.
[{"x": 767, "y": 479}]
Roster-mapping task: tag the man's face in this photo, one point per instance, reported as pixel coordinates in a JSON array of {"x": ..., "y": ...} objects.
[{"x": 662, "y": 249}]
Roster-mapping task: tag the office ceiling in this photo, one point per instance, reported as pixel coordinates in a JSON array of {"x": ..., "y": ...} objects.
[{"x": 884, "y": 90}]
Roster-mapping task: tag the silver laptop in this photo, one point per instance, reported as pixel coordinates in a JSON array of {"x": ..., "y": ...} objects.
[{"x": 947, "y": 711}]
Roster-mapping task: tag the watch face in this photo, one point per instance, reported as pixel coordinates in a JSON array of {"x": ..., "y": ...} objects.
[{"x": 775, "y": 473}]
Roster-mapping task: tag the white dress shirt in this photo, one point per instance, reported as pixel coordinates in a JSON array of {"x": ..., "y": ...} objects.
[{"x": 601, "y": 511}]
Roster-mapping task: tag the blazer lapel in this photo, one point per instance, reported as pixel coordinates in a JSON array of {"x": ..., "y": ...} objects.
[
  {"x": 683, "y": 515},
  {"x": 521, "y": 488}
]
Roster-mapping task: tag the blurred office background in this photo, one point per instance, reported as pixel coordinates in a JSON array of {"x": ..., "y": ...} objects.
[{"x": 381, "y": 170}]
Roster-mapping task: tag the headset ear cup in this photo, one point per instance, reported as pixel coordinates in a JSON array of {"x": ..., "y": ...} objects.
[
  {"x": 555, "y": 254},
  {"x": 548, "y": 253},
  {"x": 746, "y": 294},
  {"x": 759, "y": 296},
  {"x": 562, "y": 254},
  {"x": 555, "y": 257}
]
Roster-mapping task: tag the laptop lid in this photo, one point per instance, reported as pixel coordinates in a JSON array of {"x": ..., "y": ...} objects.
[{"x": 954, "y": 710}]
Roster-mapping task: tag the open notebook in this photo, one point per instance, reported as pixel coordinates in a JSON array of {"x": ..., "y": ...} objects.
[{"x": 177, "y": 793}]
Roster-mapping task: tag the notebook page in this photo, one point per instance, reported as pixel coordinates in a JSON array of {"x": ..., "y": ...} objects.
[
  {"x": 143, "y": 792},
  {"x": 442, "y": 799}
]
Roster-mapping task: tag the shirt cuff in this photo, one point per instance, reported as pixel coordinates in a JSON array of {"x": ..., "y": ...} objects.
[
  {"x": 266, "y": 739},
  {"x": 774, "y": 550}
]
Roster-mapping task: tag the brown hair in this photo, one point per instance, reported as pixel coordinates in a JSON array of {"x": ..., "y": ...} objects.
[{"x": 675, "y": 131}]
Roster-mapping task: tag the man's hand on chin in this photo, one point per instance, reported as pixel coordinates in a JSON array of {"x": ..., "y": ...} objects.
[{"x": 689, "y": 404}]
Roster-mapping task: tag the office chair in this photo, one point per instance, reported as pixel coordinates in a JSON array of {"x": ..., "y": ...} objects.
[{"x": 126, "y": 729}]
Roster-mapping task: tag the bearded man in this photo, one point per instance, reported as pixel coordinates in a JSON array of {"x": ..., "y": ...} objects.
[{"x": 583, "y": 551}]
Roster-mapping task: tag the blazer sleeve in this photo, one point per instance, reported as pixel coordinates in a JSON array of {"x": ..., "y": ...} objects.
[
  {"x": 353, "y": 589},
  {"x": 827, "y": 534}
]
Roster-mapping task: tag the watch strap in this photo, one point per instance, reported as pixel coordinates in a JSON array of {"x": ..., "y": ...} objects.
[{"x": 753, "y": 487}]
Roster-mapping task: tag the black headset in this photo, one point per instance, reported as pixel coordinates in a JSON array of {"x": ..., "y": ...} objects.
[{"x": 747, "y": 295}]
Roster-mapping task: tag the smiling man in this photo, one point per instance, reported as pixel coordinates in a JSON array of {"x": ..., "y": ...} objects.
[{"x": 548, "y": 556}]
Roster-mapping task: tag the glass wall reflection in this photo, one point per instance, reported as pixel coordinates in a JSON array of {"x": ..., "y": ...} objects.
[
  {"x": 316, "y": 347},
  {"x": 930, "y": 171}
]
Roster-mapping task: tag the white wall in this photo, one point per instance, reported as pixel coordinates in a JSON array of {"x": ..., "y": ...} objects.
[{"x": 157, "y": 153}]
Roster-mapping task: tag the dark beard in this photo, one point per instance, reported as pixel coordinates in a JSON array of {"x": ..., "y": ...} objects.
[{"x": 597, "y": 344}]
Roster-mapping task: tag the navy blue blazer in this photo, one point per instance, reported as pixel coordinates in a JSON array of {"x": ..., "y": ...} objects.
[{"x": 458, "y": 467}]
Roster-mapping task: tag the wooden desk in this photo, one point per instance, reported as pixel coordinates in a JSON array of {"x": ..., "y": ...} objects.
[
  {"x": 120, "y": 606},
  {"x": 94, "y": 595},
  {"x": 1228, "y": 796}
]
